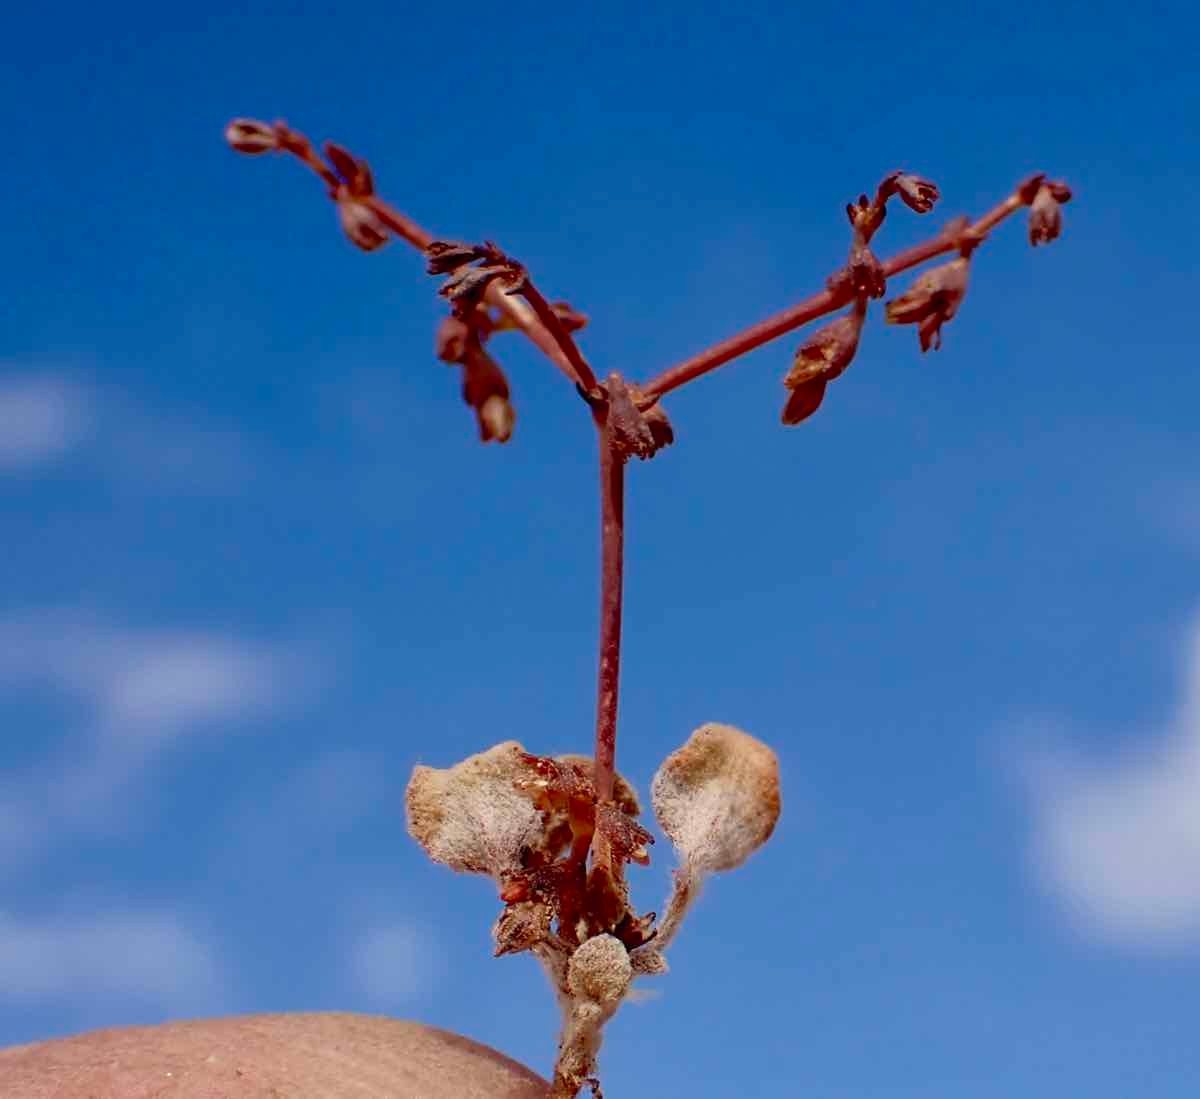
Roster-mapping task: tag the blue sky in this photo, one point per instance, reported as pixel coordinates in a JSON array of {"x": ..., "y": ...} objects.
[{"x": 256, "y": 565}]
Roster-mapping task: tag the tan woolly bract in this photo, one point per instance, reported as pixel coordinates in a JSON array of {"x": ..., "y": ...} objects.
[
  {"x": 717, "y": 797},
  {"x": 471, "y": 816}
]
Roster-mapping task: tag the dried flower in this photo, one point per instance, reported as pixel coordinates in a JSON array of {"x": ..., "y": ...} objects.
[
  {"x": 249, "y": 136},
  {"x": 446, "y": 255},
  {"x": 451, "y": 340},
  {"x": 867, "y": 216},
  {"x": 932, "y": 301},
  {"x": 354, "y": 173},
  {"x": 915, "y": 192},
  {"x": 361, "y": 224},
  {"x": 803, "y": 400},
  {"x": 820, "y": 359},
  {"x": 485, "y": 389},
  {"x": 1045, "y": 212},
  {"x": 497, "y": 418},
  {"x": 717, "y": 797},
  {"x": 470, "y": 816}
]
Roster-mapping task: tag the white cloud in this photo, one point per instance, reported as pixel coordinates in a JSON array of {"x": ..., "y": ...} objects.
[
  {"x": 153, "y": 957},
  {"x": 1117, "y": 838},
  {"x": 42, "y": 417},
  {"x": 141, "y": 691},
  {"x": 392, "y": 964}
]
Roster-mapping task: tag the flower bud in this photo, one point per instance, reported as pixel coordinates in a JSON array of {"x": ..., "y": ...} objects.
[
  {"x": 354, "y": 173},
  {"x": 915, "y": 192},
  {"x": 1045, "y": 213},
  {"x": 471, "y": 816},
  {"x": 249, "y": 136},
  {"x": 717, "y": 797},
  {"x": 600, "y": 971},
  {"x": 497, "y": 418},
  {"x": 820, "y": 359},
  {"x": 359, "y": 222},
  {"x": 932, "y": 301}
]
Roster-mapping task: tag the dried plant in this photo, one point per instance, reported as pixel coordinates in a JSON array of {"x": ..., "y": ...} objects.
[{"x": 555, "y": 833}]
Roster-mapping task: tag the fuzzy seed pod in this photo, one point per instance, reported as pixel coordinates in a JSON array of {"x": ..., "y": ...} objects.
[
  {"x": 600, "y": 971},
  {"x": 717, "y": 797},
  {"x": 471, "y": 816},
  {"x": 251, "y": 137}
]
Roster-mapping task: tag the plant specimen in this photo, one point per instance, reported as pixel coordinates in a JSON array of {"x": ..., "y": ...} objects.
[{"x": 556, "y": 834}]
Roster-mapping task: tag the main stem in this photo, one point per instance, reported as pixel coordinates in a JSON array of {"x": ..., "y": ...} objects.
[{"x": 612, "y": 557}]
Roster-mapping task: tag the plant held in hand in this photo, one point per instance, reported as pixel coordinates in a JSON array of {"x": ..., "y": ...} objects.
[{"x": 556, "y": 833}]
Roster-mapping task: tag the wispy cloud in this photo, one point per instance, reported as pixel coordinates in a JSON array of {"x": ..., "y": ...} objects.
[
  {"x": 152, "y": 957},
  {"x": 392, "y": 964},
  {"x": 42, "y": 417},
  {"x": 47, "y": 417},
  {"x": 141, "y": 691},
  {"x": 1117, "y": 838}
]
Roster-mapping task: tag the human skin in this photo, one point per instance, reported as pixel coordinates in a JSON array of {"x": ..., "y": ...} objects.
[{"x": 293, "y": 1056}]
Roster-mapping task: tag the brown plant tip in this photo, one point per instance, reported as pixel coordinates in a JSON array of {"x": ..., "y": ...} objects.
[
  {"x": 932, "y": 301},
  {"x": 354, "y": 173},
  {"x": 485, "y": 389},
  {"x": 917, "y": 193},
  {"x": 251, "y": 137},
  {"x": 1045, "y": 212},
  {"x": 718, "y": 797},
  {"x": 803, "y": 400},
  {"x": 445, "y": 256},
  {"x": 821, "y": 359},
  {"x": 363, "y": 227},
  {"x": 452, "y": 339},
  {"x": 571, "y": 319},
  {"x": 866, "y": 216}
]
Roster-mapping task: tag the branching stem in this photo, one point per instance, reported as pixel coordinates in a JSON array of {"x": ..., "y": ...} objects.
[{"x": 827, "y": 301}]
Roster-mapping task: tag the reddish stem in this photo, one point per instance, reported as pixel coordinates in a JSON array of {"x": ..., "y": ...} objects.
[
  {"x": 612, "y": 535},
  {"x": 420, "y": 238},
  {"x": 827, "y": 301},
  {"x": 545, "y": 313}
]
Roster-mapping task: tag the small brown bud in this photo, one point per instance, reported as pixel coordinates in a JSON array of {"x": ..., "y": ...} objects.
[
  {"x": 359, "y": 222},
  {"x": 354, "y": 173},
  {"x": 470, "y": 816},
  {"x": 445, "y": 256},
  {"x": 820, "y": 359},
  {"x": 717, "y": 797},
  {"x": 932, "y": 301},
  {"x": 866, "y": 217},
  {"x": 600, "y": 971},
  {"x": 497, "y": 418},
  {"x": 1045, "y": 213},
  {"x": 915, "y": 192},
  {"x": 803, "y": 400},
  {"x": 251, "y": 137},
  {"x": 450, "y": 343}
]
